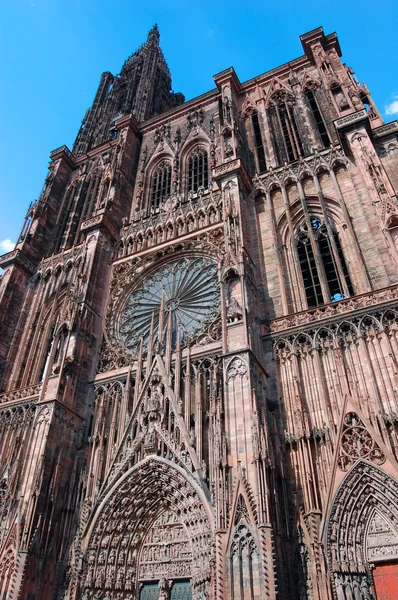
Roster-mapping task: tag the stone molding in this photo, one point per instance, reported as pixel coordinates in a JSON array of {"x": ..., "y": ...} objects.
[
  {"x": 311, "y": 317},
  {"x": 385, "y": 129},
  {"x": 100, "y": 222},
  {"x": 21, "y": 394},
  {"x": 352, "y": 118},
  {"x": 17, "y": 257}
]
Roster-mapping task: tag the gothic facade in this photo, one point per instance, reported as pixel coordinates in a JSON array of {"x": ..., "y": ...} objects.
[{"x": 199, "y": 345}]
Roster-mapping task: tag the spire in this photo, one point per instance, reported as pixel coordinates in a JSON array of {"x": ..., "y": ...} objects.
[
  {"x": 142, "y": 87},
  {"x": 154, "y": 36}
]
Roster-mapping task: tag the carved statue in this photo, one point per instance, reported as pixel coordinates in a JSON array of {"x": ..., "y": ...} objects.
[
  {"x": 339, "y": 583},
  {"x": 227, "y": 109},
  {"x": 356, "y": 588},
  {"x": 366, "y": 595},
  {"x": 348, "y": 588},
  {"x": 163, "y": 590},
  {"x": 234, "y": 311}
]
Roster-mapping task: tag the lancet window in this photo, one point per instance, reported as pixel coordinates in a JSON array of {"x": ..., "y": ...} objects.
[
  {"x": 47, "y": 353},
  {"x": 258, "y": 143},
  {"x": 160, "y": 185},
  {"x": 286, "y": 136},
  {"x": 198, "y": 169},
  {"x": 321, "y": 258},
  {"x": 317, "y": 115},
  {"x": 244, "y": 565}
]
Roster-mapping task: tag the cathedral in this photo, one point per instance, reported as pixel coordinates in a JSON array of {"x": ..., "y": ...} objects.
[{"x": 199, "y": 345}]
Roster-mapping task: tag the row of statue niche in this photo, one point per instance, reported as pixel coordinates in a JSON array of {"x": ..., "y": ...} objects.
[
  {"x": 165, "y": 551},
  {"x": 181, "y": 568},
  {"x": 352, "y": 587},
  {"x": 163, "y": 532}
]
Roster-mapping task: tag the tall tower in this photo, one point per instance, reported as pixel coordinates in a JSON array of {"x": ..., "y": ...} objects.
[
  {"x": 143, "y": 88},
  {"x": 198, "y": 345}
]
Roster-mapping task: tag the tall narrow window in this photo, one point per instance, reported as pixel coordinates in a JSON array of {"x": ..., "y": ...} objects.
[
  {"x": 312, "y": 285},
  {"x": 288, "y": 125},
  {"x": 319, "y": 122},
  {"x": 161, "y": 185},
  {"x": 284, "y": 128},
  {"x": 198, "y": 170},
  {"x": 258, "y": 141},
  {"x": 331, "y": 258},
  {"x": 46, "y": 356}
]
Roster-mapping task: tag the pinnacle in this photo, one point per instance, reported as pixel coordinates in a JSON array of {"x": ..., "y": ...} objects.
[{"x": 154, "y": 36}]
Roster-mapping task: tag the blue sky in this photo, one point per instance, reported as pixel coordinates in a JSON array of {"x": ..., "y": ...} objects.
[{"x": 54, "y": 51}]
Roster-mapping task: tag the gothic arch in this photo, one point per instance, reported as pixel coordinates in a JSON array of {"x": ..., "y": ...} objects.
[
  {"x": 365, "y": 503},
  {"x": 155, "y": 161},
  {"x": 7, "y": 571},
  {"x": 114, "y": 538},
  {"x": 190, "y": 144},
  {"x": 314, "y": 208},
  {"x": 243, "y": 558}
]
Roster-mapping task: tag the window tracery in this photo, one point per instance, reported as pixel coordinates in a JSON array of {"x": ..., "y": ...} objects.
[
  {"x": 357, "y": 443},
  {"x": 244, "y": 564},
  {"x": 198, "y": 169},
  {"x": 258, "y": 144},
  {"x": 287, "y": 139},
  {"x": 160, "y": 185},
  {"x": 185, "y": 290},
  {"x": 318, "y": 118},
  {"x": 331, "y": 255}
]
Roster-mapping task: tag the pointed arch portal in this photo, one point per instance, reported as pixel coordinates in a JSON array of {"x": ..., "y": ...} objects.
[
  {"x": 153, "y": 530},
  {"x": 362, "y": 535}
]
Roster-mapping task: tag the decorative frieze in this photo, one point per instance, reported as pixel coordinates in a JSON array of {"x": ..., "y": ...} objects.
[
  {"x": 21, "y": 394},
  {"x": 315, "y": 316},
  {"x": 385, "y": 129},
  {"x": 351, "y": 118},
  {"x": 18, "y": 258}
]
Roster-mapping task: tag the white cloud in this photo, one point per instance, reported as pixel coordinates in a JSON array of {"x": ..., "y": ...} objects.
[
  {"x": 7, "y": 245},
  {"x": 392, "y": 108}
]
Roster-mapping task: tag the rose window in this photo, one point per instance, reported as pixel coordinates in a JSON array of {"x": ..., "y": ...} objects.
[
  {"x": 357, "y": 443},
  {"x": 190, "y": 292}
]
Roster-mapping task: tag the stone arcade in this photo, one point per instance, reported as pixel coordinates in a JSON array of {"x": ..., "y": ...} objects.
[{"x": 199, "y": 345}]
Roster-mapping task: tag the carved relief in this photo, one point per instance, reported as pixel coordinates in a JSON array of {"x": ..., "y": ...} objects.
[
  {"x": 382, "y": 539},
  {"x": 364, "y": 512},
  {"x": 166, "y": 551},
  {"x": 237, "y": 368},
  {"x": 124, "y": 537}
]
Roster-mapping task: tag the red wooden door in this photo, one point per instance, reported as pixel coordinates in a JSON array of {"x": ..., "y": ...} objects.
[{"x": 386, "y": 581}]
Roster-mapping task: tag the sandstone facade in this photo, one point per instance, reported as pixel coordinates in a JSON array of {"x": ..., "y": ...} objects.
[{"x": 199, "y": 345}]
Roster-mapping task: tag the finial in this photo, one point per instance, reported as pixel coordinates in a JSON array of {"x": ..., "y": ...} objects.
[{"x": 154, "y": 36}]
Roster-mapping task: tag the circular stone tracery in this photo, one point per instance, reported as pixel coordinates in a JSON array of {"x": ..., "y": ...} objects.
[{"x": 190, "y": 292}]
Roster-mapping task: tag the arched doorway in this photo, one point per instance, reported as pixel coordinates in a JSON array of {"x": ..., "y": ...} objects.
[
  {"x": 150, "y": 538},
  {"x": 362, "y": 535}
]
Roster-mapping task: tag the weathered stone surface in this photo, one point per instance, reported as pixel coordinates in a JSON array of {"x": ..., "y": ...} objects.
[{"x": 198, "y": 349}]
